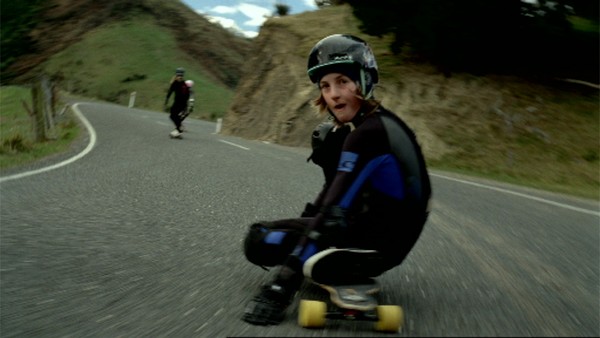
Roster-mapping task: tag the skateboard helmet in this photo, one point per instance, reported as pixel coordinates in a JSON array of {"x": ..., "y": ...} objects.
[
  {"x": 346, "y": 54},
  {"x": 189, "y": 83},
  {"x": 179, "y": 71}
]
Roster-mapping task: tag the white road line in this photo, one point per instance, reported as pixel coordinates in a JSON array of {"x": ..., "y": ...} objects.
[
  {"x": 89, "y": 147},
  {"x": 566, "y": 206},
  {"x": 235, "y": 145}
]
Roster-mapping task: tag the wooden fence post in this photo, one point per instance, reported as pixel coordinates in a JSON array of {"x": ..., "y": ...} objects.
[
  {"x": 48, "y": 110},
  {"x": 39, "y": 125}
]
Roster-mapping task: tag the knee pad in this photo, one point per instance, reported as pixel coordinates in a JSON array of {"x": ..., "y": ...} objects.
[{"x": 266, "y": 246}]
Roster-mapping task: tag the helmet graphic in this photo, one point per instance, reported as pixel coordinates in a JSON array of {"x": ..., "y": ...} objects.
[
  {"x": 340, "y": 51},
  {"x": 179, "y": 71},
  {"x": 189, "y": 83}
]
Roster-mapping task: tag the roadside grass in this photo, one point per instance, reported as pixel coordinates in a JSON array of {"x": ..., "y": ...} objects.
[
  {"x": 92, "y": 68},
  {"x": 583, "y": 24},
  {"x": 555, "y": 148},
  {"x": 17, "y": 143}
]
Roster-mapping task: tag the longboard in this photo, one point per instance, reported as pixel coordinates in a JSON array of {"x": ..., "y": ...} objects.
[{"x": 351, "y": 302}]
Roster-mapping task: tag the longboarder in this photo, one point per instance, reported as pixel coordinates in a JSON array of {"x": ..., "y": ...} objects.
[
  {"x": 375, "y": 199},
  {"x": 182, "y": 94}
]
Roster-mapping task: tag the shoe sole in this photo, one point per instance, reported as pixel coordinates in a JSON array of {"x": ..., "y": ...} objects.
[{"x": 343, "y": 266}]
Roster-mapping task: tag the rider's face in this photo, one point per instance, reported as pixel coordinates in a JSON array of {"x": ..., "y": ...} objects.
[{"x": 341, "y": 95}]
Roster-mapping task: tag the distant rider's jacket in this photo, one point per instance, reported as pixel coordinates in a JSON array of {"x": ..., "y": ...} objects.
[{"x": 182, "y": 94}]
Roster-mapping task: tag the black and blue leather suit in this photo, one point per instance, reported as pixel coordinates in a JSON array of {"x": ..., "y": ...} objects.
[{"x": 375, "y": 196}]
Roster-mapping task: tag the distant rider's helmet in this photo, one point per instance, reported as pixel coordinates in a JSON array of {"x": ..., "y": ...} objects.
[
  {"x": 179, "y": 71},
  {"x": 189, "y": 83},
  {"x": 344, "y": 54}
]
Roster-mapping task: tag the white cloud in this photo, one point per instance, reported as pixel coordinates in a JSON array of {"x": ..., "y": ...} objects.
[
  {"x": 224, "y": 10},
  {"x": 231, "y": 16},
  {"x": 256, "y": 14},
  {"x": 225, "y": 22},
  {"x": 231, "y": 25},
  {"x": 310, "y": 4},
  {"x": 250, "y": 34}
]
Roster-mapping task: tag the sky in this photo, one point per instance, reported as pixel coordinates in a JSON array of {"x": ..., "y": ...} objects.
[{"x": 245, "y": 16}]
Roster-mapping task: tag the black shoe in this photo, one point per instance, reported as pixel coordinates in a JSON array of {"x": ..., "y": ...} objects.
[
  {"x": 344, "y": 266},
  {"x": 268, "y": 307}
]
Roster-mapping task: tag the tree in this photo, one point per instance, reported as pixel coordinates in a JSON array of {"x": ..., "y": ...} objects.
[
  {"x": 282, "y": 9},
  {"x": 501, "y": 36},
  {"x": 18, "y": 18}
]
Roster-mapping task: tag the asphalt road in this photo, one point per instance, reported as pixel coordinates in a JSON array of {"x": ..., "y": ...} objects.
[{"x": 141, "y": 237}]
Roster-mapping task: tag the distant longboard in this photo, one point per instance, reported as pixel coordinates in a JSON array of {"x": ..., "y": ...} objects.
[
  {"x": 179, "y": 136},
  {"x": 351, "y": 302}
]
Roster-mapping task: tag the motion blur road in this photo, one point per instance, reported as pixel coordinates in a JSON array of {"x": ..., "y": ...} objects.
[{"x": 142, "y": 237}]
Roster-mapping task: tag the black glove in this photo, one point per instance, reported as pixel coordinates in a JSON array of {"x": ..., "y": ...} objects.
[
  {"x": 335, "y": 217},
  {"x": 268, "y": 307},
  {"x": 332, "y": 232},
  {"x": 310, "y": 210}
]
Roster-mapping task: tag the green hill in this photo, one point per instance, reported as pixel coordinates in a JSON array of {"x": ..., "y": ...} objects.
[
  {"x": 110, "y": 50},
  {"x": 144, "y": 67}
]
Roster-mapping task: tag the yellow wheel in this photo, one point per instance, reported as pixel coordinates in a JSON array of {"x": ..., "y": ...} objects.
[
  {"x": 311, "y": 313},
  {"x": 391, "y": 318}
]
